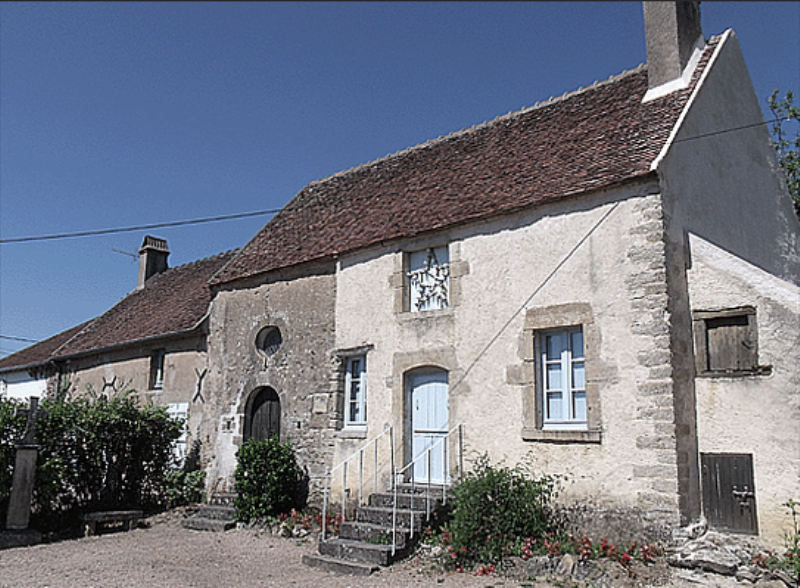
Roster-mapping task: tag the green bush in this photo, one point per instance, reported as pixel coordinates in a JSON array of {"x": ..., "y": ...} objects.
[
  {"x": 269, "y": 482},
  {"x": 184, "y": 487},
  {"x": 493, "y": 509},
  {"x": 93, "y": 455}
]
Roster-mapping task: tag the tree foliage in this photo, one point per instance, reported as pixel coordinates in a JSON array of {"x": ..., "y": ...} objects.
[{"x": 787, "y": 146}]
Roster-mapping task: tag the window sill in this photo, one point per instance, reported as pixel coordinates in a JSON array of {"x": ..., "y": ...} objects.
[
  {"x": 561, "y": 436},
  {"x": 353, "y": 433},
  {"x": 417, "y": 315},
  {"x": 762, "y": 370}
]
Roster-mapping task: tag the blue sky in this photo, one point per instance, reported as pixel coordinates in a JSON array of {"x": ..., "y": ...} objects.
[{"x": 126, "y": 114}]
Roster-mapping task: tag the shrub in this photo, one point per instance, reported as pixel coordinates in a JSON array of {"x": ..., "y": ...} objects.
[
  {"x": 93, "y": 455},
  {"x": 268, "y": 480},
  {"x": 495, "y": 508},
  {"x": 184, "y": 487}
]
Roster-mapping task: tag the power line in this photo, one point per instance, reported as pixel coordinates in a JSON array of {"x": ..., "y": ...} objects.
[
  {"x": 730, "y": 130},
  {"x": 19, "y": 339},
  {"x": 196, "y": 221}
]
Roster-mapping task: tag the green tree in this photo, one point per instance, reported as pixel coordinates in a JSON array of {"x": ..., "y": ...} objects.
[{"x": 787, "y": 147}]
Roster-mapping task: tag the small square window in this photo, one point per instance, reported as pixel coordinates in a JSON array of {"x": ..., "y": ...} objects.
[
  {"x": 726, "y": 342},
  {"x": 157, "y": 369},
  {"x": 428, "y": 279},
  {"x": 355, "y": 392}
]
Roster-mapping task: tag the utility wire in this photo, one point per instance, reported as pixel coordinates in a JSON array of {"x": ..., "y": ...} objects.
[
  {"x": 19, "y": 339},
  {"x": 274, "y": 211},
  {"x": 196, "y": 221},
  {"x": 730, "y": 130}
]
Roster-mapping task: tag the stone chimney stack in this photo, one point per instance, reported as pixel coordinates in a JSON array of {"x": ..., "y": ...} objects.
[
  {"x": 672, "y": 31},
  {"x": 152, "y": 259}
]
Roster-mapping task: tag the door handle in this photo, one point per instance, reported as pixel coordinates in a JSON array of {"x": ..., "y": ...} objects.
[{"x": 742, "y": 496}]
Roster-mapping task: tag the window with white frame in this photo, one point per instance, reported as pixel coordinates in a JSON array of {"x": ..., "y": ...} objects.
[
  {"x": 429, "y": 279},
  {"x": 157, "y": 369},
  {"x": 356, "y": 392},
  {"x": 563, "y": 379}
]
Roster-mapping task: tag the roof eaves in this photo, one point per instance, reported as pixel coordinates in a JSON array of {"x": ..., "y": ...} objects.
[{"x": 132, "y": 343}]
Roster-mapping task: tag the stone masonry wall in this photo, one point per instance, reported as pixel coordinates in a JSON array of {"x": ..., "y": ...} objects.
[
  {"x": 650, "y": 330},
  {"x": 300, "y": 305}
]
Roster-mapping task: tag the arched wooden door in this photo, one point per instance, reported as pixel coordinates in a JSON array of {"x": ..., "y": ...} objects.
[{"x": 264, "y": 417}]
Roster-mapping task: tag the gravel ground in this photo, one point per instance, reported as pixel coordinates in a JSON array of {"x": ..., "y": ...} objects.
[{"x": 164, "y": 554}]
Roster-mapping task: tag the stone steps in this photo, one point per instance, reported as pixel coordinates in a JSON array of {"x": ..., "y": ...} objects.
[
  {"x": 219, "y": 515},
  {"x": 365, "y": 544}
]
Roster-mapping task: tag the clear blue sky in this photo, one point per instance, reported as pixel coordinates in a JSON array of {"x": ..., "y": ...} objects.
[{"x": 121, "y": 114}]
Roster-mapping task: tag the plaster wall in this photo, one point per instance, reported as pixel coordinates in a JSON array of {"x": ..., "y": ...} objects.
[
  {"x": 602, "y": 254},
  {"x": 21, "y": 386},
  {"x": 300, "y": 304},
  {"x": 129, "y": 368},
  {"x": 735, "y": 241}
]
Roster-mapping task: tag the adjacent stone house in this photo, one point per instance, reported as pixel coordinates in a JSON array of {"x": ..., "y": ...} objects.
[
  {"x": 153, "y": 341},
  {"x": 604, "y": 284}
]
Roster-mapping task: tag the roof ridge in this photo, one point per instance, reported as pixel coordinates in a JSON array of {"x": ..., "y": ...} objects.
[
  {"x": 188, "y": 265},
  {"x": 464, "y": 131}
]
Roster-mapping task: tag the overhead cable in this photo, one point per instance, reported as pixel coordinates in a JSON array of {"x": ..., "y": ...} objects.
[{"x": 196, "y": 221}]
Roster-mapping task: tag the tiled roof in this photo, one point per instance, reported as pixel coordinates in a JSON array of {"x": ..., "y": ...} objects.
[
  {"x": 590, "y": 139},
  {"x": 171, "y": 302},
  {"x": 40, "y": 353}
]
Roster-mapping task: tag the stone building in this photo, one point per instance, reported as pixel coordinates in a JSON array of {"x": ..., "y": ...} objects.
[
  {"x": 153, "y": 341},
  {"x": 604, "y": 284}
]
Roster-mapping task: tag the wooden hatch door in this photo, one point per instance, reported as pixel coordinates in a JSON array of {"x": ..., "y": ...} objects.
[{"x": 729, "y": 493}]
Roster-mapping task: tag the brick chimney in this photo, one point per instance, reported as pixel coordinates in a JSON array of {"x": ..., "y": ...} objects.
[
  {"x": 672, "y": 32},
  {"x": 152, "y": 259}
]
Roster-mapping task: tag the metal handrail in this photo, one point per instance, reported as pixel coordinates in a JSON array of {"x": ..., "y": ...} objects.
[
  {"x": 398, "y": 473},
  {"x": 343, "y": 466}
]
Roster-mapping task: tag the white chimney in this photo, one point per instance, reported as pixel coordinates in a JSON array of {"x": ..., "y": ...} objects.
[
  {"x": 674, "y": 40},
  {"x": 152, "y": 259}
]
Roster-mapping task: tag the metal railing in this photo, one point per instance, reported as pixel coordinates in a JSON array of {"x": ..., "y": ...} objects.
[
  {"x": 427, "y": 455},
  {"x": 344, "y": 466}
]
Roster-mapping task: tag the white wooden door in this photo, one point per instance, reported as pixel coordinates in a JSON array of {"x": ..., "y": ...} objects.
[{"x": 429, "y": 425}]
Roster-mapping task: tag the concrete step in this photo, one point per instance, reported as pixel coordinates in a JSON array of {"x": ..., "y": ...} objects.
[
  {"x": 213, "y": 511},
  {"x": 375, "y": 534},
  {"x": 203, "y": 524},
  {"x": 222, "y": 499},
  {"x": 360, "y": 551},
  {"x": 436, "y": 490},
  {"x": 382, "y": 516},
  {"x": 339, "y": 566},
  {"x": 405, "y": 500}
]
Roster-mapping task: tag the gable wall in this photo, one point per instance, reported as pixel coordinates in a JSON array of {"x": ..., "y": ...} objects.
[
  {"x": 617, "y": 276},
  {"x": 733, "y": 241},
  {"x": 301, "y": 306}
]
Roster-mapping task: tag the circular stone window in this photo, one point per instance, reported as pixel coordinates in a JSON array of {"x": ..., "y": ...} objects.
[{"x": 269, "y": 340}]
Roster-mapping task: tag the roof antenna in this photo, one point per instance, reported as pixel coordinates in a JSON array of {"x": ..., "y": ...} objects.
[{"x": 135, "y": 256}]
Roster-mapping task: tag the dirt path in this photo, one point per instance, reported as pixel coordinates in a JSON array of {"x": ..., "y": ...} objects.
[{"x": 169, "y": 556}]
